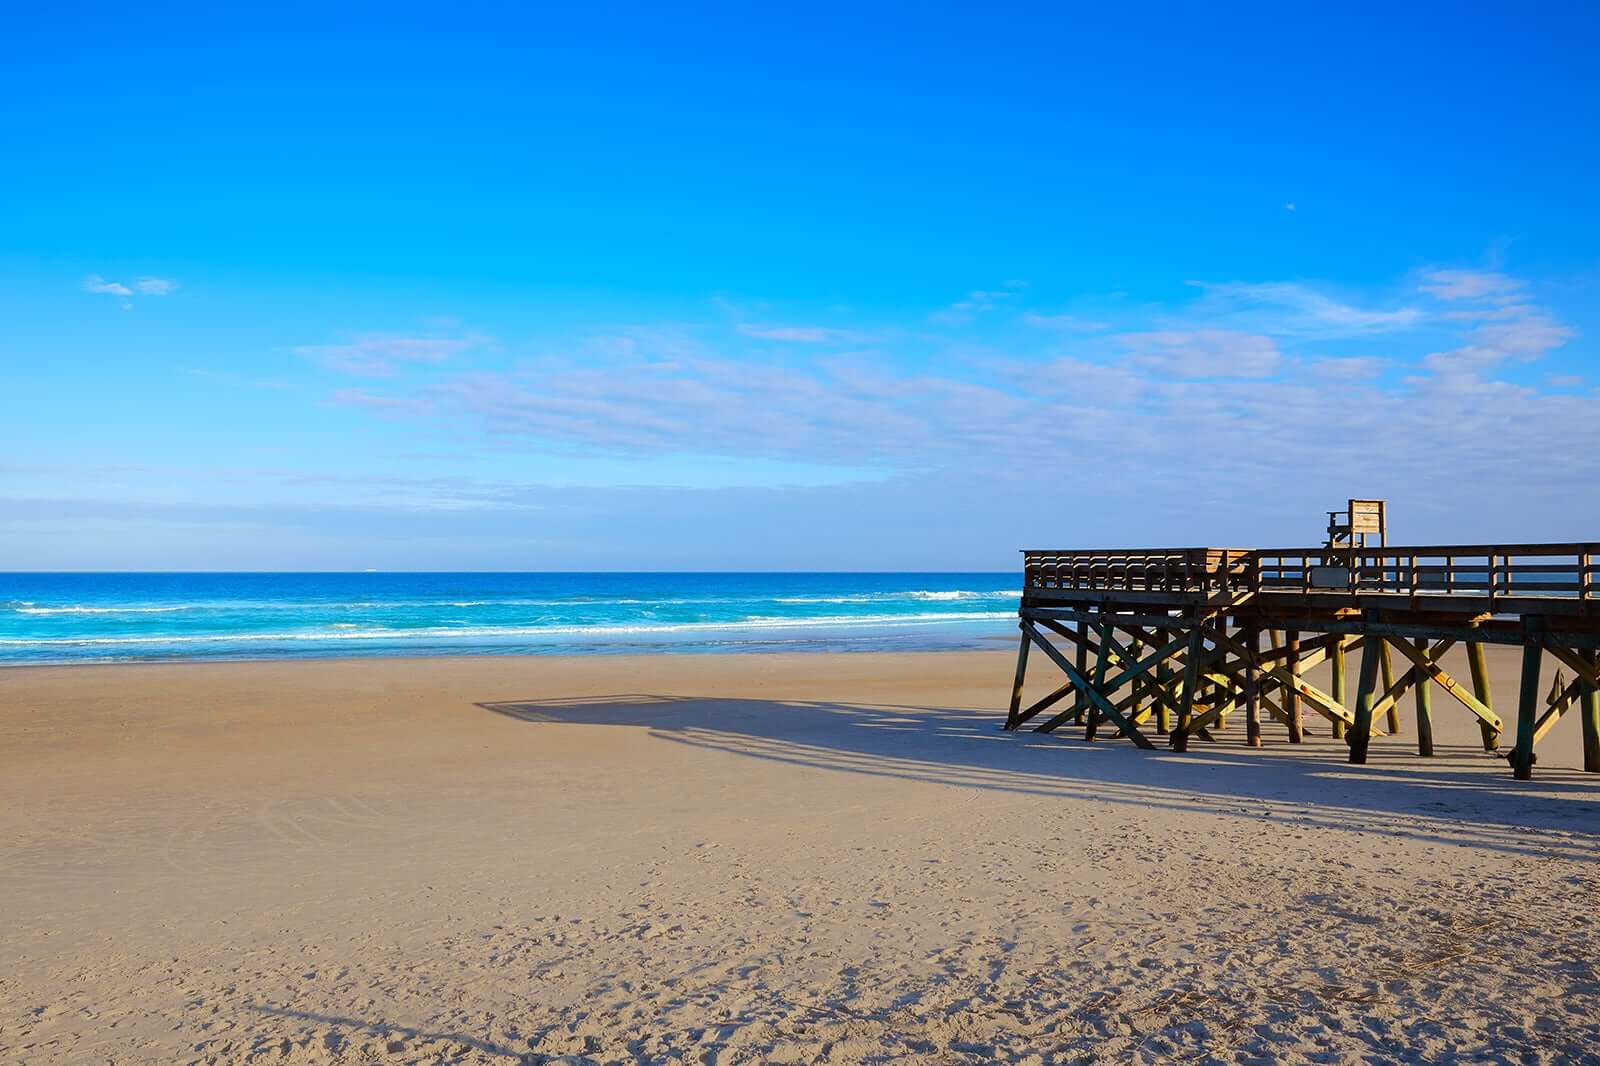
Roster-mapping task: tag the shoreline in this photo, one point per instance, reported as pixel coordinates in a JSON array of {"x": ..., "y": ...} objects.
[{"x": 667, "y": 651}]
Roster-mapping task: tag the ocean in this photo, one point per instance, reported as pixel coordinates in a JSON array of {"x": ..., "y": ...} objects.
[{"x": 84, "y": 617}]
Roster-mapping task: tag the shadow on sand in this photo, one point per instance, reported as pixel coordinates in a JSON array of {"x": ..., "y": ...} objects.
[{"x": 1461, "y": 796}]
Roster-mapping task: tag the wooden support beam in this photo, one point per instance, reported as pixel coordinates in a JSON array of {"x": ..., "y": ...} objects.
[
  {"x": 1160, "y": 692},
  {"x": 1338, "y": 693},
  {"x": 1485, "y": 713},
  {"x": 1563, "y": 697},
  {"x": 1291, "y": 697},
  {"x": 1361, "y": 730},
  {"x": 1272, "y": 708},
  {"x": 1252, "y": 688},
  {"x": 1095, "y": 698},
  {"x": 1389, "y": 702},
  {"x": 1138, "y": 684},
  {"x": 1590, "y": 716},
  {"x": 1482, "y": 693},
  {"x": 1191, "y": 678},
  {"x": 1102, "y": 661},
  {"x": 1386, "y": 663},
  {"x": 1332, "y": 709},
  {"x": 1528, "y": 703},
  {"x": 1023, "y": 717},
  {"x": 1424, "y": 700},
  {"x": 1012, "y": 720},
  {"x": 1575, "y": 660},
  {"x": 1134, "y": 670},
  {"x": 1080, "y": 705}
]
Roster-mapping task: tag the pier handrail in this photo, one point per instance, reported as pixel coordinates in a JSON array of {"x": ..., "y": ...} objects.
[{"x": 1559, "y": 571}]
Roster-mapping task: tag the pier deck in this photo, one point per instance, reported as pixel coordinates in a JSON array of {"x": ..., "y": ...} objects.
[{"x": 1176, "y": 635}]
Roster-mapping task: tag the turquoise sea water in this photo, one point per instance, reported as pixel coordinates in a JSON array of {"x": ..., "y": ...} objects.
[{"x": 55, "y": 618}]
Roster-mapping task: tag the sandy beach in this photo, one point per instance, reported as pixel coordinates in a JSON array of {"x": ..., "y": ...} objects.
[{"x": 753, "y": 858}]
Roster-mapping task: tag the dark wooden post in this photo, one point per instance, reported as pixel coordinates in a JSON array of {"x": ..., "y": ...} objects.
[
  {"x": 1424, "y": 703},
  {"x": 1528, "y": 703},
  {"x": 1191, "y": 676},
  {"x": 1252, "y": 684},
  {"x": 1139, "y": 685},
  {"x": 1392, "y": 719},
  {"x": 1163, "y": 688},
  {"x": 1217, "y": 694},
  {"x": 1591, "y": 719},
  {"x": 1481, "y": 689},
  {"x": 1291, "y": 695},
  {"x": 1080, "y": 701},
  {"x": 1103, "y": 631},
  {"x": 1361, "y": 733},
  {"x": 1016, "y": 687},
  {"x": 1337, "y": 689}
]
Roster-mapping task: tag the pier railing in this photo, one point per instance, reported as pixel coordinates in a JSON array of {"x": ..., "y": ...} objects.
[
  {"x": 1485, "y": 574},
  {"x": 1197, "y": 571}
]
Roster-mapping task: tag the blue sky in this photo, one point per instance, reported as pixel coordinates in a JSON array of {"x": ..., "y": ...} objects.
[{"x": 712, "y": 288}]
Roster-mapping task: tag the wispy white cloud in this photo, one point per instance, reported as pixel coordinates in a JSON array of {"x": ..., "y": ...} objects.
[
  {"x": 392, "y": 405},
  {"x": 1204, "y": 353},
  {"x": 798, "y": 334},
  {"x": 1521, "y": 339},
  {"x": 978, "y": 301},
  {"x": 1291, "y": 308},
  {"x": 96, "y": 284},
  {"x": 1066, "y": 323},
  {"x": 381, "y": 354},
  {"x": 1487, "y": 285},
  {"x": 143, "y": 287}
]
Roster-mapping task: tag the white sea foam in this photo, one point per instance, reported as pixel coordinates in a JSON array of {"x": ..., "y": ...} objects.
[
  {"x": 31, "y": 608},
  {"x": 914, "y": 594},
  {"x": 480, "y": 632}
]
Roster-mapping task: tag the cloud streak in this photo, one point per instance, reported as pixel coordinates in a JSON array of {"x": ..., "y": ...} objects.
[
  {"x": 1471, "y": 285},
  {"x": 1282, "y": 417},
  {"x": 383, "y": 354},
  {"x": 143, "y": 287}
]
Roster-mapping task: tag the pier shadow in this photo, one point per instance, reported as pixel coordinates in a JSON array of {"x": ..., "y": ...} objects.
[{"x": 1460, "y": 796}]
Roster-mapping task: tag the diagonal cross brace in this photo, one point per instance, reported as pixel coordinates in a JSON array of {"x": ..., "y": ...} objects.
[{"x": 1104, "y": 705}]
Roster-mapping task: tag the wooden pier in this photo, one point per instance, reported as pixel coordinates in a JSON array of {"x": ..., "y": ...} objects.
[{"x": 1168, "y": 643}]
